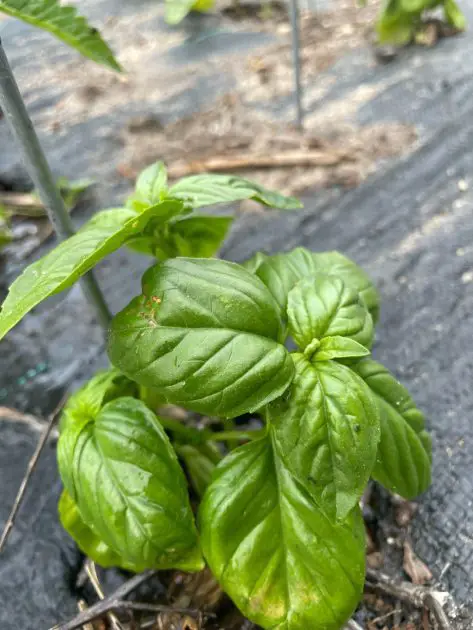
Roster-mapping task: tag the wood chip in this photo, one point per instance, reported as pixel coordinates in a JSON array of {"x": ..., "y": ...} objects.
[{"x": 417, "y": 570}]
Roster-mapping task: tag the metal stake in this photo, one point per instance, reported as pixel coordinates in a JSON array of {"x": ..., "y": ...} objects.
[
  {"x": 296, "y": 60},
  {"x": 13, "y": 106}
]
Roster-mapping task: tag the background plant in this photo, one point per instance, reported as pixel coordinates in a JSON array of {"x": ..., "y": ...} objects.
[
  {"x": 400, "y": 20},
  {"x": 279, "y": 522},
  {"x": 176, "y": 10},
  {"x": 64, "y": 22}
]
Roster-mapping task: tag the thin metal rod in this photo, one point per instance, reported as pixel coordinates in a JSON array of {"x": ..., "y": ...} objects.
[
  {"x": 13, "y": 106},
  {"x": 296, "y": 60}
]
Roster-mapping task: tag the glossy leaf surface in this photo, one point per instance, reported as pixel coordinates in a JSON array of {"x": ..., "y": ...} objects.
[
  {"x": 208, "y": 189},
  {"x": 404, "y": 453},
  {"x": 284, "y": 564},
  {"x": 281, "y": 272},
  {"x": 87, "y": 401},
  {"x": 205, "y": 333},
  {"x": 88, "y": 542},
  {"x": 327, "y": 431},
  {"x": 337, "y": 348},
  {"x": 121, "y": 471},
  {"x": 323, "y": 306}
]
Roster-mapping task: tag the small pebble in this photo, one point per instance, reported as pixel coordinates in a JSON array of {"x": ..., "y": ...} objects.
[{"x": 467, "y": 276}]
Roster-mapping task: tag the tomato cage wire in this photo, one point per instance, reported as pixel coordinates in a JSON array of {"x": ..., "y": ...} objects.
[{"x": 14, "y": 109}]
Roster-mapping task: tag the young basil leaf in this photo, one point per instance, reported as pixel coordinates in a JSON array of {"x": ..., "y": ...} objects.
[
  {"x": 337, "y": 348},
  {"x": 121, "y": 471},
  {"x": 88, "y": 542},
  {"x": 205, "y": 333},
  {"x": 404, "y": 452},
  {"x": 327, "y": 433},
  {"x": 208, "y": 189},
  {"x": 101, "y": 389},
  {"x": 283, "y": 563},
  {"x": 151, "y": 187},
  {"x": 323, "y": 306},
  {"x": 281, "y": 272},
  {"x": 200, "y": 461},
  {"x": 353, "y": 276},
  {"x": 72, "y": 258},
  {"x": 72, "y": 190},
  {"x": 254, "y": 262},
  {"x": 196, "y": 237}
]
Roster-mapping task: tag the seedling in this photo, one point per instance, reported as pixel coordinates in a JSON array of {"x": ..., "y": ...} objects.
[{"x": 279, "y": 522}]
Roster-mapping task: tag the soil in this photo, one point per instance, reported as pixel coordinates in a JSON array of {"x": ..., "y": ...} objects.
[{"x": 237, "y": 122}]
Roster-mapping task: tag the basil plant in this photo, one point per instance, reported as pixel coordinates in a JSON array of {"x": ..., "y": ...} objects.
[{"x": 278, "y": 518}]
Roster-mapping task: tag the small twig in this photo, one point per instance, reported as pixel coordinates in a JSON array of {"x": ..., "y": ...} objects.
[
  {"x": 417, "y": 596},
  {"x": 29, "y": 471},
  {"x": 158, "y": 608},
  {"x": 112, "y": 602},
  {"x": 81, "y": 605},
  {"x": 7, "y": 413},
  {"x": 353, "y": 625},
  {"x": 237, "y": 162},
  {"x": 24, "y": 204},
  {"x": 391, "y": 613},
  {"x": 94, "y": 580},
  {"x": 435, "y": 607}
]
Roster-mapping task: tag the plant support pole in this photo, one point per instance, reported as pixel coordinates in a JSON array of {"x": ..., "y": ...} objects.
[
  {"x": 296, "y": 60},
  {"x": 13, "y": 106}
]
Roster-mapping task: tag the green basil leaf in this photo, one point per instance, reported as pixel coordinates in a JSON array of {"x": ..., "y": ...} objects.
[
  {"x": 200, "y": 461},
  {"x": 283, "y": 563},
  {"x": 208, "y": 189},
  {"x": 254, "y": 262},
  {"x": 121, "y": 471},
  {"x": 72, "y": 258},
  {"x": 196, "y": 237},
  {"x": 205, "y": 333},
  {"x": 64, "y": 22},
  {"x": 72, "y": 190},
  {"x": 176, "y": 10},
  {"x": 454, "y": 15},
  {"x": 151, "y": 187},
  {"x": 404, "y": 453},
  {"x": 101, "y": 389},
  {"x": 394, "y": 25},
  {"x": 281, "y": 272},
  {"x": 338, "y": 348},
  {"x": 88, "y": 542},
  {"x": 323, "y": 306},
  {"x": 412, "y": 6},
  {"x": 327, "y": 433}
]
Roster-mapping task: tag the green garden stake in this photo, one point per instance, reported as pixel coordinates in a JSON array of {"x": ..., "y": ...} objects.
[
  {"x": 295, "y": 26},
  {"x": 13, "y": 106}
]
